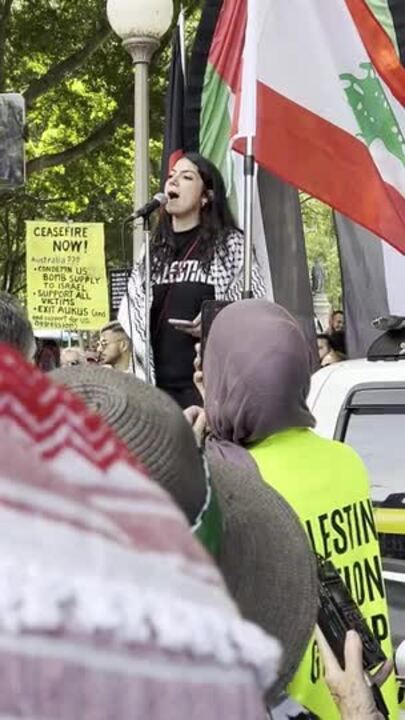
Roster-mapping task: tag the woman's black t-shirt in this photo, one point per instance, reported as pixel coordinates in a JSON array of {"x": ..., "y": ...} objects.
[{"x": 178, "y": 293}]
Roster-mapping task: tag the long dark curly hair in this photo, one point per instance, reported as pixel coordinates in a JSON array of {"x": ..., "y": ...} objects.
[{"x": 216, "y": 220}]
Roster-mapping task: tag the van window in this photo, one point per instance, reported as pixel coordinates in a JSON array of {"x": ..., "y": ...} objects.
[{"x": 379, "y": 438}]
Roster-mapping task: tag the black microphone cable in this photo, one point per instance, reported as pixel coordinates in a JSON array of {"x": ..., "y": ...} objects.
[{"x": 128, "y": 268}]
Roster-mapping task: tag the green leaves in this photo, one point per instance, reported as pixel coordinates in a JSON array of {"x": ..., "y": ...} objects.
[
  {"x": 78, "y": 84},
  {"x": 320, "y": 238}
]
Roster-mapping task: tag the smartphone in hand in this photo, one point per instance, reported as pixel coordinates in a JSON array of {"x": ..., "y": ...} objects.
[
  {"x": 209, "y": 311},
  {"x": 181, "y": 323}
]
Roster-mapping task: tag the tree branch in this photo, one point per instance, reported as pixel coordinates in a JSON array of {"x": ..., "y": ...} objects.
[
  {"x": 91, "y": 143},
  {"x": 58, "y": 72},
  {"x": 6, "y": 9},
  {"x": 4, "y": 18},
  {"x": 104, "y": 131}
]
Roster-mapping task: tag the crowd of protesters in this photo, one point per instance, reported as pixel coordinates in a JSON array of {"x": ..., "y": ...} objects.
[
  {"x": 160, "y": 563},
  {"x": 233, "y": 650}
]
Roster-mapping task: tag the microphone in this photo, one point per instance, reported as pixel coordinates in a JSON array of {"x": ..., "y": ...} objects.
[{"x": 158, "y": 200}]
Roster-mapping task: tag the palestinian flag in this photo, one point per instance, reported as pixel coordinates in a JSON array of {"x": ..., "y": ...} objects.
[
  {"x": 173, "y": 140},
  {"x": 390, "y": 18},
  {"x": 323, "y": 93},
  {"x": 213, "y": 84}
]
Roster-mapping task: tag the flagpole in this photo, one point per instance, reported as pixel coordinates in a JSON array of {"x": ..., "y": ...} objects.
[
  {"x": 181, "y": 24},
  {"x": 249, "y": 170}
]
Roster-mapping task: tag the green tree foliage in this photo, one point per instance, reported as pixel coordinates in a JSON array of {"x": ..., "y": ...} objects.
[
  {"x": 320, "y": 237},
  {"x": 77, "y": 82},
  {"x": 78, "y": 85}
]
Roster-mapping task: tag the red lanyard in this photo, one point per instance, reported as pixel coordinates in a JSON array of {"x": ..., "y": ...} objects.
[{"x": 188, "y": 253}]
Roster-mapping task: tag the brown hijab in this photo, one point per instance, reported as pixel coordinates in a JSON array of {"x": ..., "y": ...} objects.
[{"x": 257, "y": 370}]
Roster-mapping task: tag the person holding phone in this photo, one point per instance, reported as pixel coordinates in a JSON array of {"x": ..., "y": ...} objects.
[
  {"x": 196, "y": 255},
  {"x": 350, "y": 688},
  {"x": 257, "y": 373}
]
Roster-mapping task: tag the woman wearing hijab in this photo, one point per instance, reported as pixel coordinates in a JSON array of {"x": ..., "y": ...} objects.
[
  {"x": 257, "y": 371},
  {"x": 196, "y": 255}
]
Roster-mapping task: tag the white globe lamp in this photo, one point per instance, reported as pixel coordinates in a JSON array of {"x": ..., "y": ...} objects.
[{"x": 140, "y": 18}]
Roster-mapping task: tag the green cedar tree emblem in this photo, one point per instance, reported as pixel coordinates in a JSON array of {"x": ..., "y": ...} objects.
[{"x": 373, "y": 112}]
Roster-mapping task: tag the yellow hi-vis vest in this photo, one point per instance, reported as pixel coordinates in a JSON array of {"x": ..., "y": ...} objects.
[{"x": 327, "y": 485}]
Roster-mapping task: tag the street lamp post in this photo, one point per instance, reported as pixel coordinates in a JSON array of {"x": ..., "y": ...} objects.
[{"x": 140, "y": 24}]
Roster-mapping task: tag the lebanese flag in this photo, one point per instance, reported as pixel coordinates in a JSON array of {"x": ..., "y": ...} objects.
[
  {"x": 213, "y": 83},
  {"x": 372, "y": 270},
  {"x": 323, "y": 93}
]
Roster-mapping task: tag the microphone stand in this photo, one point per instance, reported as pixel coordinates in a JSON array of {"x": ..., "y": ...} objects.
[
  {"x": 148, "y": 290},
  {"x": 128, "y": 269}
]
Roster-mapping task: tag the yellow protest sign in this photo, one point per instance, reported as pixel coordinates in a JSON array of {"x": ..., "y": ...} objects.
[{"x": 66, "y": 277}]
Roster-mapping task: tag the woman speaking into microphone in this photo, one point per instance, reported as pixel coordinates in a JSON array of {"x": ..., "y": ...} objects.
[{"x": 196, "y": 255}]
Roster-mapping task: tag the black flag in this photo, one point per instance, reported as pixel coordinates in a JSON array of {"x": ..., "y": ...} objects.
[{"x": 173, "y": 142}]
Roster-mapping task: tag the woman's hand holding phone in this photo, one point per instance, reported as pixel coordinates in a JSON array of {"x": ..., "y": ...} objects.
[{"x": 349, "y": 687}]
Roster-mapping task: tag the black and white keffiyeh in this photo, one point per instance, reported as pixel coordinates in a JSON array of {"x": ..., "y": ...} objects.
[{"x": 225, "y": 273}]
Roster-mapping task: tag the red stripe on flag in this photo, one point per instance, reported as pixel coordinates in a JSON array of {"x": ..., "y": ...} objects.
[
  {"x": 327, "y": 162},
  {"x": 228, "y": 41},
  {"x": 379, "y": 48}
]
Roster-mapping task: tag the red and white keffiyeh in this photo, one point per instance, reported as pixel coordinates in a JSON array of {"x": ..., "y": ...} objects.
[{"x": 108, "y": 607}]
